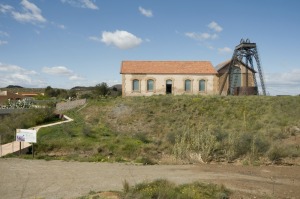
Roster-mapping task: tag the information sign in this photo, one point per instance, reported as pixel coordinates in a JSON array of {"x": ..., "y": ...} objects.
[{"x": 26, "y": 135}]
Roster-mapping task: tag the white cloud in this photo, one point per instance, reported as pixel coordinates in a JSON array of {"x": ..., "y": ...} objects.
[
  {"x": 210, "y": 47},
  {"x": 224, "y": 50},
  {"x": 89, "y": 4},
  {"x": 61, "y": 26},
  {"x": 93, "y": 38},
  {"x": 208, "y": 35},
  {"x": 21, "y": 77},
  {"x": 82, "y": 4},
  {"x": 5, "y": 8},
  {"x": 61, "y": 71},
  {"x": 147, "y": 13},
  {"x": 286, "y": 78},
  {"x": 206, "y": 38},
  {"x": 3, "y": 42},
  {"x": 8, "y": 68},
  {"x": 283, "y": 83},
  {"x": 121, "y": 39},
  {"x": 37, "y": 32},
  {"x": 16, "y": 75},
  {"x": 31, "y": 13},
  {"x": 201, "y": 36},
  {"x": 214, "y": 26},
  {"x": 75, "y": 77},
  {"x": 4, "y": 34},
  {"x": 57, "y": 70}
]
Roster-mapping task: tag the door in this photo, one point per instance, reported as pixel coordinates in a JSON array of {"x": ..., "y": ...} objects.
[{"x": 169, "y": 86}]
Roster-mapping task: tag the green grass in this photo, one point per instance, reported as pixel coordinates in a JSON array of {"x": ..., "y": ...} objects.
[
  {"x": 141, "y": 129},
  {"x": 165, "y": 189},
  {"x": 23, "y": 120}
]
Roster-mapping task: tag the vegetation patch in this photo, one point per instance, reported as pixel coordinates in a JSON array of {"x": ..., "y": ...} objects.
[
  {"x": 167, "y": 190},
  {"x": 23, "y": 119},
  {"x": 249, "y": 129}
]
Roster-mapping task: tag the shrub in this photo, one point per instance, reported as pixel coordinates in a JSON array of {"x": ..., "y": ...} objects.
[
  {"x": 142, "y": 137},
  {"x": 167, "y": 190},
  {"x": 276, "y": 153},
  {"x": 195, "y": 143}
]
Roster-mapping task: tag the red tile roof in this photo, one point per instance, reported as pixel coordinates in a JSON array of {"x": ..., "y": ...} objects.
[{"x": 167, "y": 67}]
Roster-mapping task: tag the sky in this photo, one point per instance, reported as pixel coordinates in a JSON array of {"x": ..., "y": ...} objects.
[{"x": 68, "y": 43}]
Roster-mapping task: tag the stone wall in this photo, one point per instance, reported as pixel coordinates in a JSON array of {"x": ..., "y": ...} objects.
[{"x": 70, "y": 104}]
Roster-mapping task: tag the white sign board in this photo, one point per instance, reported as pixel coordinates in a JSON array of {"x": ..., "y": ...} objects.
[{"x": 26, "y": 135}]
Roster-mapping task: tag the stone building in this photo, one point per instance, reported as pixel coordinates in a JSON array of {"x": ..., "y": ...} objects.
[
  {"x": 6, "y": 95},
  {"x": 146, "y": 78},
  {"x": 242, "y": 78}
]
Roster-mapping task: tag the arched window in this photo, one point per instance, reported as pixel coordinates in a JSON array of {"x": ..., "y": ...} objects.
[
  {"x": 202, "y": 85},
  {"x": 150, "y": 85},
  {"x": 187, "y": 85},
  {"x": 136, "y": 85}
]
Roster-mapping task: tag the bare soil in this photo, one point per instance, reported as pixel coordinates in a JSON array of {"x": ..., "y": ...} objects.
[{"x": 20, "y": 178}]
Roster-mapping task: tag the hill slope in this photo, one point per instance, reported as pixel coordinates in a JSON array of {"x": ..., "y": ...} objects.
[{"x": 253, "y": 129}]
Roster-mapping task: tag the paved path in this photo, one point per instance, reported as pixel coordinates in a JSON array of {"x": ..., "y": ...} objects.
[
  {"x": 13, "y": 147},
  {"x": 20, "y": 178}
]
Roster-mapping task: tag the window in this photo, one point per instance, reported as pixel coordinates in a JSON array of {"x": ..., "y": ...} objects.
[
  {"x": 136, "y": 85},
  {"x": 187, "y": 85},
  {"x": 202, "y": 85},
  {"x": 150, "y": 85}
]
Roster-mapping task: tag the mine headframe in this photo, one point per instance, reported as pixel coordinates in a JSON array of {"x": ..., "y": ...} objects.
[{"x": 246, "y": 52}]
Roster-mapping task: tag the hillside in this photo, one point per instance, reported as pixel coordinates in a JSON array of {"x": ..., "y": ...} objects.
[{"x": 250, "y": 130}]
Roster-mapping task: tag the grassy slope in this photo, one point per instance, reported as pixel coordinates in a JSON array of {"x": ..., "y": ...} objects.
[{"x": 143, "y": 129}]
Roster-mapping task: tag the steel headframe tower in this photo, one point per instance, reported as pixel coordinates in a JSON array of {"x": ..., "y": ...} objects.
[{"x": 245, "y": 52}]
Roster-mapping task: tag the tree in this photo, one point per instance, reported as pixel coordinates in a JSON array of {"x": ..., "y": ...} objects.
[
  {"x": 72, "y": 93},
  {"x": 50, "y": 92},
  {"x": 101, "y": 89}
]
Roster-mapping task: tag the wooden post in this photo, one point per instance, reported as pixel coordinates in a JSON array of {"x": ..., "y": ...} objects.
[
  {"x": 20, "y": 149},
  {"x": 32, "y": 151},
  {"x": 0, "y": 147}
]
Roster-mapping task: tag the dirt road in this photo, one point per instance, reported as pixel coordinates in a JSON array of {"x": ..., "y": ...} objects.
[{"x": 21, "y": 178}]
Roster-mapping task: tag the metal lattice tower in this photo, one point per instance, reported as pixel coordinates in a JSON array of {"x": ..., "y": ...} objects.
[{"x": 245, "y": 52}]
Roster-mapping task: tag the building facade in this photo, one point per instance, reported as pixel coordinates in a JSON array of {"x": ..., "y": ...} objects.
[
  {"x": 146, "y": 78},
  {"x": 243, "y": 82}
]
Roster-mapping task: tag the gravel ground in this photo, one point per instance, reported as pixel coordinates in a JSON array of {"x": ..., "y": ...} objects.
[{"x": 20, "y": 178}]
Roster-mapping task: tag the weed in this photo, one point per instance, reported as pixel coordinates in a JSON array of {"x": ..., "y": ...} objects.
[{"x": 165, "y": 189}]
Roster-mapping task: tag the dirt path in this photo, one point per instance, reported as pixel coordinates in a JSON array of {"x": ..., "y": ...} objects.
[
  {"x": 14, "y": 146},
  {"x": 21, "y": 178}
]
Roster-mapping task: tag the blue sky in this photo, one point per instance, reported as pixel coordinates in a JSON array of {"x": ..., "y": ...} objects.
[{"x": 67, "y": 43}]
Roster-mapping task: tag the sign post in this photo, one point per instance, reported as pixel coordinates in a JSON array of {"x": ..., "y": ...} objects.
[
  {"x": 26, "y": 135},
  {"x": 32, "y": 151},
  {"x": 0, "y": 147}
]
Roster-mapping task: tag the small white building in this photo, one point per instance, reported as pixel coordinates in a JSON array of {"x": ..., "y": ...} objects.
[{"x": 146, "y": 78}]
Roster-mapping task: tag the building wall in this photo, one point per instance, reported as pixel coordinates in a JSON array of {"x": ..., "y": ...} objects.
[
  {"x": 5, "y": 95},
  {"x": 244, "y": 74},
  {"x": 178, "y": 84}
]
